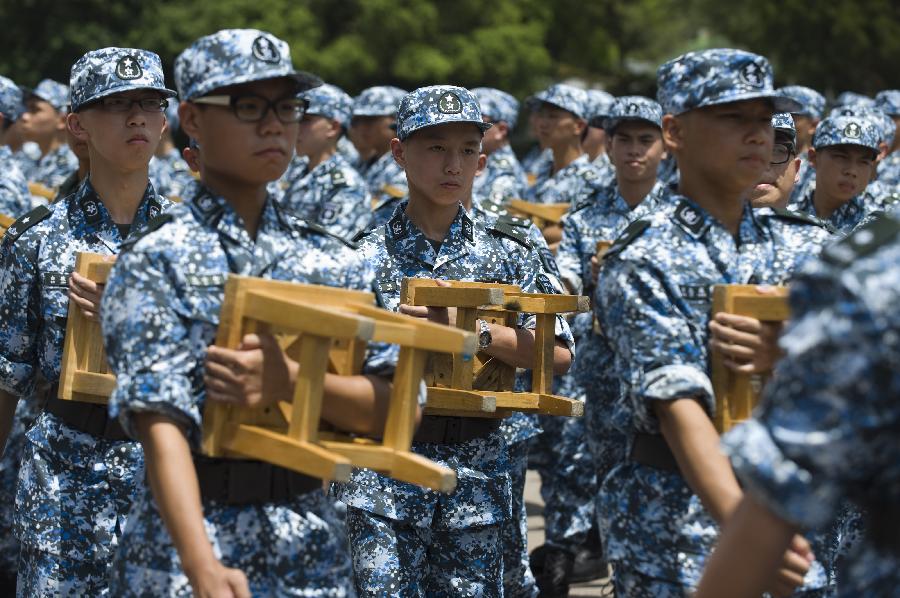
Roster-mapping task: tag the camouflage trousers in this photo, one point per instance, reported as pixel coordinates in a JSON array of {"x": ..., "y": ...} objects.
[
  {"x": 394, "y": 558},
  {"x": 518, "y": 581},
  {"x": 292, "y": 548},
  {"x": 568, "y": 481},
  {"x": 45, "y": 575}
]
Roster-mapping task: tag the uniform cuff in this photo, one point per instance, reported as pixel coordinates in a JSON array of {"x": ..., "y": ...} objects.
[
  {"x": 169, "y": 395},
  {"x": 672, "y": 382}
]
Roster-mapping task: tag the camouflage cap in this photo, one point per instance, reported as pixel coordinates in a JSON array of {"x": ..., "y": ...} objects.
[
  {"x": 234, "y": 56},
  {"x": 54, "y": 93},
  {"x": 437, "y": 105},
  {"x": 783, "y": 122},
  {"x": 851, "y": 98},
  {"x": 329, "y": 101},
  {"x": 633, "y": 108},
  {"x": 381, "y": 100},
  {"x": 497, "y": 105},
  {"x": 107, "y": 71},
  {"x": 11, "y": 100},
  {"x": 888, "y": 101},
  {"x": 846, "y": 130},
  {"x": 812, "y": 103},
  {"x": 561, "y": 95},
  {"x": 172, "y": 116},
  {"x": 717, "y": 76},
  {"x": 884, "y": 123},
  {"x": 598, "y": 106}
]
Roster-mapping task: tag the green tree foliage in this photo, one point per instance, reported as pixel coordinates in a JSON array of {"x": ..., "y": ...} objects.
[{"x": 517, "y": 45}]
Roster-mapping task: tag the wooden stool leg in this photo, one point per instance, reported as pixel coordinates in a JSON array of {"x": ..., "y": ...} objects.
[
  {"x": 401, "y": 418},
  {"x": 310, "y": 388},
  {"x": 544, "y": 346}
]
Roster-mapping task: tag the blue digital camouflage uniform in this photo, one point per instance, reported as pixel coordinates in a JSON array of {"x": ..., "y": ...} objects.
[
  {"x": 161, "y": 310},
  {"x": 826, "y": 429},
  {"x": 170, "y": 174},
  {"x": 333, "y": 194},
  {"x": 852, "y": 98},
  {"x": 74, "y": 489},
  {"x": 844, "y": 130},
  {"x": 406, "y": 538},
  {"x": 503, "y": 178},
  {"x": 53, "y": 168},
  {"x": 811, "y": 104},
  {"x": 536, "y": 161},
  {"x": 382, "y": 171},
  {"x": 654, "y": 302},
  {"x": 599, "y": 104},
  {"x": 888, "y": 101}
]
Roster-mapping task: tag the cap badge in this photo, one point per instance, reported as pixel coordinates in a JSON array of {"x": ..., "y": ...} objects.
[
  {"x": 129, "y": 68},
  {"x": 264, "y": 49},
  {"x": 852, "y": 131},
  {"x": 450, "y": 104},
  {"x": 632, "y": 108},
  {"x": 752, "y": 74}
]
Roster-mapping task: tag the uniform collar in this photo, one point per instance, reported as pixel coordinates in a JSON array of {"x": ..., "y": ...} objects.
[
  {"x": 696, "y": 222},
  {"x": 400, "y": 231},
  {"x": 87, "y": 210}
]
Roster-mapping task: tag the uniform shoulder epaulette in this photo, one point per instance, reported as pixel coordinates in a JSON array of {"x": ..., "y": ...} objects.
[
  {"x": 25, "y": 222},
  {"x": 786, "y": 214},
  {"x": 337, "y": 178},
  {"x": 305, "y": 225},
  {"x": 515, "y": 232},
  {"x": 631, "y": 232},
  {"x": 508, "y": 218},
  {"x": 153, "y": 225},
  {"x": 863, "y": 241},
  {"x": 360, "y": 235}
]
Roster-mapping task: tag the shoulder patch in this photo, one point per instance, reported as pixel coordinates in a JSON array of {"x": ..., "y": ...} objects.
[
  {"x": 508, "y": 218},
  {"x": 514, "y": 232},
  {"x": 337, "y": 178},
  {"x": 152, "y": 225},
  {"x": 790, "y": 215},
  {"x": 631, "y": 232},
  {"x": 25, "y": 222},
  {"x": 304, "y": 225},
  {"x": 863, "y": 241}
]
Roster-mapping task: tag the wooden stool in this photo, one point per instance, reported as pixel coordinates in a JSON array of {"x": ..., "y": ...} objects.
[{"x": 737, "y": 394}]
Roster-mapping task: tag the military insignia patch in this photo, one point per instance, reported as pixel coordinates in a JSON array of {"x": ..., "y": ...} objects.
[
  {"x": 695, "y": 292},
  {"x": 632, "y": 108},
  {"x": 329, "y": 213},
  {"x": 398, "y": 231},
  {"x": 55, "y": 279},
  {"x": 449, "y": 103},
  {"x": 852, "y": 131},
  {"x": 467, "y": 231},
  {"x": 752, "y": 74},
  {"x": 91, "y": 210},
  {"x": 689, "y": 217},
  {"x": 129, "y": 68},
  {"x": 264, "y": 49}
]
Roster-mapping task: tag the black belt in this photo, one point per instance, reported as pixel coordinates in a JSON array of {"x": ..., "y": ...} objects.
[
  {"x": 90, "y": 418},
  {"x": 437, "y": 429},
  {"x": 240, "y": 482},
  {"x": 653, "y": 450}
]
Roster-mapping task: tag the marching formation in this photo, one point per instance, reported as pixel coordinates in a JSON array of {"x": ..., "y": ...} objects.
[{"x": 715, "y": 411}]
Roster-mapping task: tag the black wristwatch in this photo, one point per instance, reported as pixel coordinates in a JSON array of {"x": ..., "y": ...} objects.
[{"x": 484, "y": 335}]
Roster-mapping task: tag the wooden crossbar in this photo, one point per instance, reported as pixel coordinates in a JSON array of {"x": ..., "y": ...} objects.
[
  {"x": 737, "y": 394},
  {"x": 84, "y": 371},
  {"x": 541, "y": 214},
  {"x": 483, "y": 387},
  {"x": 41, "y": 190}
]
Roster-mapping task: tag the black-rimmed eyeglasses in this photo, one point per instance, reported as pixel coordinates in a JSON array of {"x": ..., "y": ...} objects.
[{"x": 253, "y": 108}]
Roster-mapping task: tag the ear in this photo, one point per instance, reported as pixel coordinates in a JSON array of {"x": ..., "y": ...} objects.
[
  {"x": 502, "y": 130},
  {"x": 189, "y": 118},
  {"x": 482, "y": 163},
  {"x": 335, "y": 131},
  {"x": 673, "y": 132},
  {"x": 76, "y": 127},
  {"x": 580, "y": 126},
  {"x": 796, "y": 170},
  {"x": 608, "y": 141},
  {"x": 811, "y": 155},
  {"x": 398, "y": 151}
]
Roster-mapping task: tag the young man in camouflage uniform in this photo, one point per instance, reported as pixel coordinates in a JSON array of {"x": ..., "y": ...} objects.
[
  {"x": 561, "y": 112},
  {"x": 888, "y": 101},
  {"x": 328, "y": 191},
  {"x": 225, "y": 526},
  {"x": 844, "y": 153},
  {"x": 15, "y": 199},
  {"x": 371, "y": 131},
  {"x": 589, "y": 448},
  {"x": 406, "y": 540},
  {"x": 44, "y": 122},
  {"x": 503, "y": 177},
  {"x": 831, "y": 384},
  {"x": 661, "y": 508},
  {"x": 806, "y": 119},
  {"x": 78, "y": 472},
  {"x": 594, "y": 141}
]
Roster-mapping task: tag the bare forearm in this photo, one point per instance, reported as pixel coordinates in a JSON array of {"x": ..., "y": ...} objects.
[
  {"x": 695, "y": 444},
  {"x": 357, "y": 404},
  {"x": 8, "y": 404},
  {"x": 515, "y": 346},
  {"x": 748, "y": 554},
  {"x": 173, "y": 480}
]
